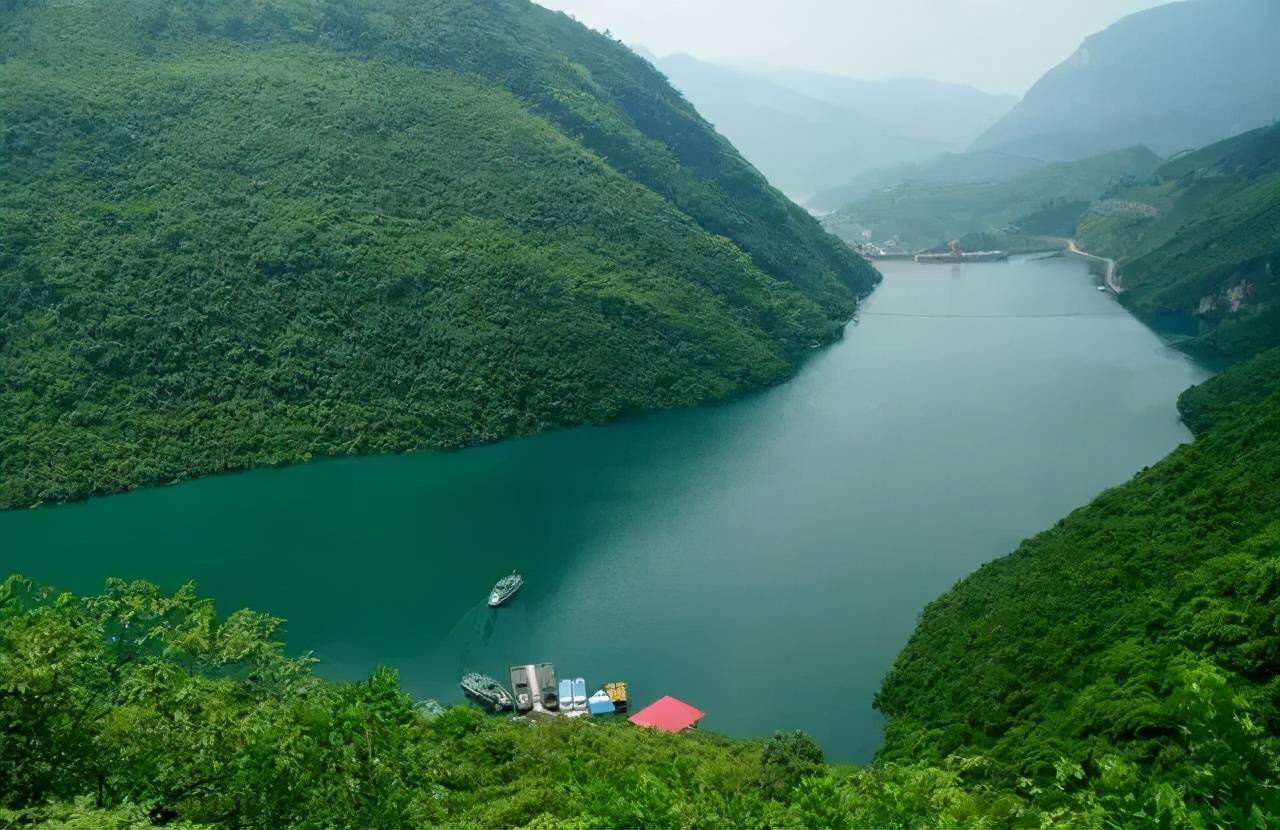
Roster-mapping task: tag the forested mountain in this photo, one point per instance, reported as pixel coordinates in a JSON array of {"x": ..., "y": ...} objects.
[
  {"x": 1045, "y": 201},
  {"x": 1115, "y": 671},
  {"x": 257, "y": 231},
  {"x": 1174, "y": 77},
  {"x": 809, "y": 132},
  {"x": 1200, "y": 241}
]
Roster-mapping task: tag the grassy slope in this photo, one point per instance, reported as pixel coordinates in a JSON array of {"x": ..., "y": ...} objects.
[
  {"x": 1098, "y": 639},
  {"x": 923, "y": 214},
  {"x": 254, "y": 233},
  {"x": 1207, "y": 224}
]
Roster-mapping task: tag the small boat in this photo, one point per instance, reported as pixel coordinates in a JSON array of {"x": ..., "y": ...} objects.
[
  {"x": 617, "y": 692},
  {"x": 579, "y": 694},
  {"x": 600, "y": 704},
  {"x": 505, "y": 589},
  {"x": 1102, "y": 288},
  {"x": 486, "y": 690},
  {"x": 566, "y": 695}
]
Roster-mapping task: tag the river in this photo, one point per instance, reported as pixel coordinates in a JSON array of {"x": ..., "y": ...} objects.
[{"x": 764, "y": 559}]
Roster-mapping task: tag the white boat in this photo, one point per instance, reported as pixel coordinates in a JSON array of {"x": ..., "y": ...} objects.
[{"x": 505, "y": 589}]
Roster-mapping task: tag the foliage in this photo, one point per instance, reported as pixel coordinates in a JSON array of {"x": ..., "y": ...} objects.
[
  {"x": 137, "y": 706},
  {"x": 1124, "y": 661},
  {"x": 1221, "y": 397},
  {"x": 788, "y": 759},
  {"x": 259, "y": 231}
]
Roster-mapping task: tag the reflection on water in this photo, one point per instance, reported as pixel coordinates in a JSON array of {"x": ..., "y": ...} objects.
[{"x": 764, "y": 560}]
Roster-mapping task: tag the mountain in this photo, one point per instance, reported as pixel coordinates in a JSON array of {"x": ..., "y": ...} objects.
[
  {"x": 256, "y": 232},
  {"x": 1047, "y": 201},
  {"x": 1199, "y": 243},
  {"x": 808, "y": 132},
  {"x": 1178, "y": 76},
  {"x": 943, "y": 114}
]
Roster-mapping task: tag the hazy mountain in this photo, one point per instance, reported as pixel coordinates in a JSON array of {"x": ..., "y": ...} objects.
[
  {"x": 971, "y": 166},
  {"x": 947, "y": 115},
  {"x": 1048, "y": 200},
  {"x": 1173, "y": 77},
  {"x": 808, "y": 132}
]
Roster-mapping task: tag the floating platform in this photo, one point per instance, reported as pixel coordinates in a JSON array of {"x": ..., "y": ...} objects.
[{"x": 535, "y": 688}]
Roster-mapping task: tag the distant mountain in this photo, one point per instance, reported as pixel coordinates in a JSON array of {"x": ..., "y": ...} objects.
[
  {"x": 948, "y": 116},
  {"x": 1046, "y": 201},
  {"x": 1200, "y": 242},
  {"x": 808, "y": 133},
  {"x": 1174, "y": 77}
]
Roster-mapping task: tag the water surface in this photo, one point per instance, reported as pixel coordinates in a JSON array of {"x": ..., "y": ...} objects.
[{"x": 764, "y": 560}]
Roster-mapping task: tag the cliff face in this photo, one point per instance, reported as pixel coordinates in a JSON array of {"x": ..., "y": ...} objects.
[{"x": 1174, "y": 77}]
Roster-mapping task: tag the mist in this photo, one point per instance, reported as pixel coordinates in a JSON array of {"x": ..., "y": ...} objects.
[{"x": 999, "y": 46}]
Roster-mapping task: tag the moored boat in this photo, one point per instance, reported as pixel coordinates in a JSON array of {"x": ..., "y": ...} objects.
[
  {"x": 505, "y": 589},
  {"x": 486, "y": 690}
]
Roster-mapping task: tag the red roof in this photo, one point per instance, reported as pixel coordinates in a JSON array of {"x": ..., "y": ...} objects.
[{"x": 668, "y": 714}]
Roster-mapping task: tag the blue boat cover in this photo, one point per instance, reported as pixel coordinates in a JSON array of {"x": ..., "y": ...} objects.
[
  {"x": 600, "y": 703},
  {"x": 566, "y": 694}
]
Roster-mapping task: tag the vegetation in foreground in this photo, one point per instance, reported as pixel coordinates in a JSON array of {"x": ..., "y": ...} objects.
[
  {"x": 1118, "y": 670},
  {"x": 257, "y": 231}
]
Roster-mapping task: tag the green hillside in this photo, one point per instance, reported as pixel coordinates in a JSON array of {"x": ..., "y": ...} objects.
[
  {"x": 1201, "y": 241},
  {"x": 257, "y": 232},
  {"x": 1047, "y": 200},
  {"x": 1135, "y": 642}
]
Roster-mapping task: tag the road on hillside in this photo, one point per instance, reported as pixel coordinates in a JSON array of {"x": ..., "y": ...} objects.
[{"x": 1111, "y": 265}]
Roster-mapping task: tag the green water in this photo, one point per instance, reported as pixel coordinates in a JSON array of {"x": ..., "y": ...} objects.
[{"x": 764, "y": 560}]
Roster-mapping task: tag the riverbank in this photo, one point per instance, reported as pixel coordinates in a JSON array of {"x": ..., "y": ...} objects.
[{"x": 809, "y": 493}]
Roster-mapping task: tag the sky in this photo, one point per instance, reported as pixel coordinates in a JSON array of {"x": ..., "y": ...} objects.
[{"x": 995, "y": 45}]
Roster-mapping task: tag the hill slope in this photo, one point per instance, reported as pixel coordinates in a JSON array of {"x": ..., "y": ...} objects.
[
  {"x": 924, "y": 213},
  {"x": 1177, "y": 76},
  {"x": 1200, "y": 241},
  {"x": 254, "y": 232}
]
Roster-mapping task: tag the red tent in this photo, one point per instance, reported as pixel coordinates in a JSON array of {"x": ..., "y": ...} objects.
[{"x": 668, "y": 714}]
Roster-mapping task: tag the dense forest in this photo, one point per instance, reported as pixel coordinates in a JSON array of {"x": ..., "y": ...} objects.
[
  {"x": 1199, "y": 241},
  {"x": 258, "y": 231},
  {"x": 1117, "y": 670}
]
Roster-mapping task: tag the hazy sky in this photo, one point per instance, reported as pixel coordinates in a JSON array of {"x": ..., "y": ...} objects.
[{"x": 996, "y": 45}]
